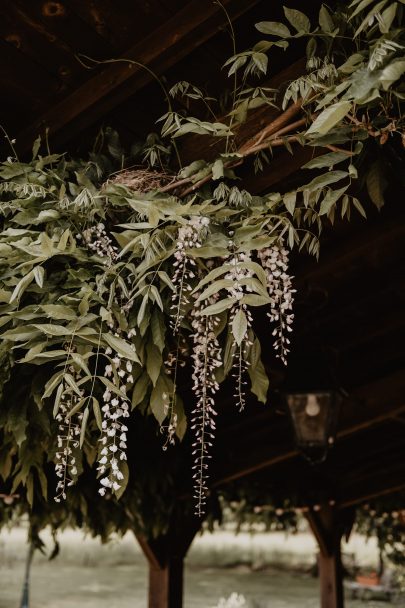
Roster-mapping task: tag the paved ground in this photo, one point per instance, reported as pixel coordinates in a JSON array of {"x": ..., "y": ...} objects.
[{"x": 87, "y": 575}]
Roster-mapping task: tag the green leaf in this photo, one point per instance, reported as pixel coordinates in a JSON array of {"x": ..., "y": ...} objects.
[
  {"x": 157, "y": 401},
  {"x": 121, "y": 347},
  {"x": 140, "y": 389},
  {"x": 38, "y": 359},
  {"x": 59, "y": 312},
  {"x": 97, "y": 413},
  {"x": 21, "y": 334},
  {"x": 364, "y": 83},
  {"x": 218, "y": 169},
  {"x": 36, "y": 146},
  {"x": 64, "y": 240},
  {"x": 72, "y": 383},
  {"x": 58, "y": 397},
  {"x": 290, "y": 200},
  {"x": 164, "y": 277},
  {"x": 83, "y": 426},
  {"x": 155, "y": 296},
  {"x": 387, "y": 17},
  {"x": 258, "y": 270},
  {"x": 326, "y": 160},
  {"x": 153, "y": 361},
  {"x": 215, "y": 287},
  {"x": 158, "y": 329},
  {"x": 376, "y": 184},
  {"x": 80, "y": 362},
  {"x": 252, "y": 299},
  {"x": 369, "y": 16},
  {"x": 52, "y": 330},
  {"x": 238, "y": 63},
  {"x": 298, "y": 20},
  {"x": 212, "y": 275},
  {"x": 261, "y": 61},
  {"x": 330, "y": 117},
  {"x": 218, "y": 307},
  {"x": 361, "y": 5},
  {"x": 52, "y": 384},
  {"x": 392, "y": 73},
  {"x": 325, "y": 20},
  {"x": 39, "y": 274},
  {"x": 142, "y": 308},
  {"x": 258, "y": 377},
  {"x": 273, "y": 28},
  {"x": 311, "y": 47},
  {"x": 239, "y": 326},
  {"x": 359, "y": 207},
  {"x": 22, "y": 286},
  {"x": 76, "y": 408},
  {"x": 321, "y": 181},
  {"x": 332, "y": 196}
]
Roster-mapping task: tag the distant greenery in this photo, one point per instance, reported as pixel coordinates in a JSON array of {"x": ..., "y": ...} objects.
[
  {"x": 115, "y": 293},
  {"x": 385, "y": 520}
]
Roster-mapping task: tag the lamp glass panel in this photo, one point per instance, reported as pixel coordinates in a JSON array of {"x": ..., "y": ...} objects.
[{"x": 311, "y": 415}]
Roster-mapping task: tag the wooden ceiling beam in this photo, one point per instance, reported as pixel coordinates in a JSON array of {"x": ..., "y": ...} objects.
[
  {"x": 380, "y": 482},
  {"x": 367, "y": 407},
  {"x": 385, "y": 490},
  {"x": 186, "y": 30}
]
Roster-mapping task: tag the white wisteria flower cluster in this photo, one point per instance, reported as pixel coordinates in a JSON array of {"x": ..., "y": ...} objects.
[
  {"x": 189, "y": 236},
  {"x": 97, "y": 239},
  {"x": 240, "y": 320},
  {"x": 68, "y": 438},
  {"x": 206, "y": 359},
  {"x": 276, "y": 263},
  {"x": 115, "y": 410}
]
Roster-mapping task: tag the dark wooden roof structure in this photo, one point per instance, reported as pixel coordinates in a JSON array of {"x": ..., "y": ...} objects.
[{"x": 349, "y": 304}]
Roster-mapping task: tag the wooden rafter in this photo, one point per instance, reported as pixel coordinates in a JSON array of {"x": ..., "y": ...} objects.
[{"x": 186, "y": 30}]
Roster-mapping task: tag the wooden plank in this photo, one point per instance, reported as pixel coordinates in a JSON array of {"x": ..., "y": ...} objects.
[
  {"x": 132, "y": 21},
  {"x": 190, "y": 27}
]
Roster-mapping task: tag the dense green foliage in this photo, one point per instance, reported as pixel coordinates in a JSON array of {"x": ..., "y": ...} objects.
[{"x": 107, "y": 290}]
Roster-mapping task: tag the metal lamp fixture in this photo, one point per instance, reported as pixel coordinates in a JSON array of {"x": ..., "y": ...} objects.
[{"x": 314, "y": 418}]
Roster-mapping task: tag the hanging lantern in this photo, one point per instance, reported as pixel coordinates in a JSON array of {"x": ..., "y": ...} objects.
[{"x": 314, "y": 418}]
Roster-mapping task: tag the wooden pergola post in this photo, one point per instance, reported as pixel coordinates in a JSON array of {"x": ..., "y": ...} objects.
[
  {"x": 328, "y": 526},
  {"x": 165, "y": 556}
]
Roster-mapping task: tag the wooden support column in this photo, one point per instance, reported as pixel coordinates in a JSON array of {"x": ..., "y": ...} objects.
[
  {"x": 328, "y": 526},
  {"x": 165, "y": 556}
]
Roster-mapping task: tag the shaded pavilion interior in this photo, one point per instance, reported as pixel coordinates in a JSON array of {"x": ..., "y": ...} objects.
[{"x": 349, "y": 305}]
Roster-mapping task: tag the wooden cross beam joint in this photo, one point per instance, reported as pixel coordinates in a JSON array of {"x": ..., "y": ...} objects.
[
  {"x": 329, "y": 525},
  {"x": 165, "y": 555}
]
